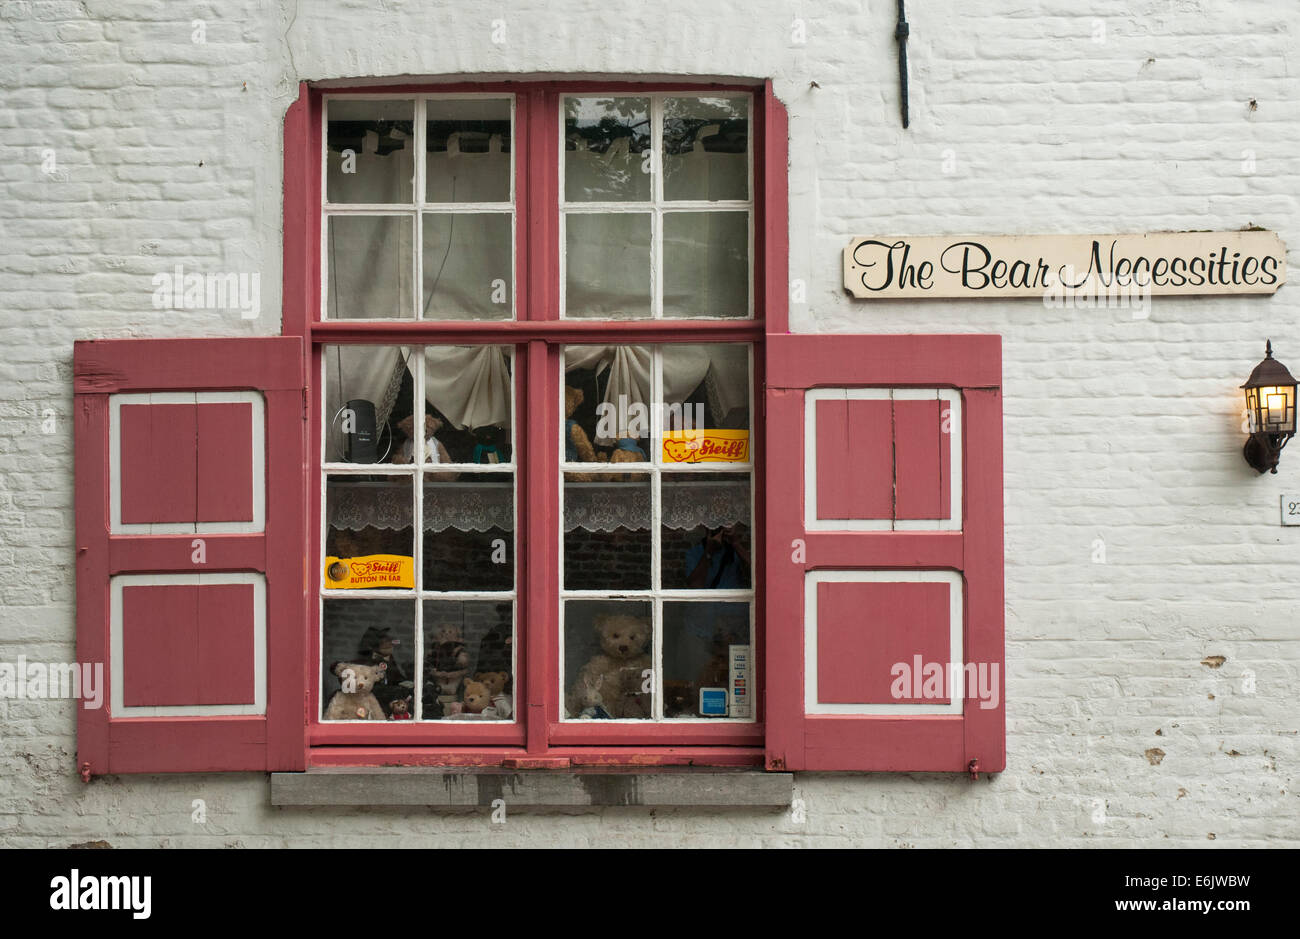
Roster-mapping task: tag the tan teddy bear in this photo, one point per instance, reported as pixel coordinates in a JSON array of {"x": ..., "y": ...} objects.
[
  {"x": 577, "y": 445},
  {"x": 356, "y": 699},
  {"x": 434, "y": 451},
  {"x": 495, "y": 681},
  {"x": 477, "y": 697},
  {"x": 613, "y": 678}
]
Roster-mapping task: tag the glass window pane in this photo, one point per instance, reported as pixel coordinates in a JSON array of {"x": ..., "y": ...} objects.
[
  {"x": 468, "y": 263},
  {"x": 607, "y": 265},
  {"x": 467, "y": 148},
  {"x": 469, "y": 395},
  {"x": 370, "y": 151},
  {"x": 469, "y": 532},
  {"x": 705, "y": 152},
  {"x": 705, "y": 645},
  {"x": 706, "y": 264},
  {"x": 368, "y": 658},
  {"x": 607, "y": 401},
  {"x": 469, "y": 660},
  {"x": 606, "y": 141},
  {"x": 608, "y": 660},
  {"x": 368, "y": 533},
  {"x": 705, "y": 535},
  {"x": 607, "y": 531},
  {"x": 368, "y": 395},
  {"x": 706, "y": 391},
  {"x": 369, "y": 262}
]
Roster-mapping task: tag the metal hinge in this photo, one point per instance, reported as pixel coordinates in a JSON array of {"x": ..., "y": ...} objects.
[
  {"x": 973, "y": 767},
  {"x": 305, "y": 412},
  {"x": 85, "y": 772}
]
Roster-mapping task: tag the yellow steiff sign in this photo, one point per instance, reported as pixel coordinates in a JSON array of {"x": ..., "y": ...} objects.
[
  {"x": 706, "y": 446},
  {"x": 373, "y": 570}
]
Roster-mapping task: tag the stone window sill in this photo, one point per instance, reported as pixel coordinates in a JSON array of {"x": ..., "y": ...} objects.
[{"x": 542, "y": 789}]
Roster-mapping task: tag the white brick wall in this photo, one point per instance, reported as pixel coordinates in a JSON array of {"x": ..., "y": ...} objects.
[{"x": 1126, "y": 431}]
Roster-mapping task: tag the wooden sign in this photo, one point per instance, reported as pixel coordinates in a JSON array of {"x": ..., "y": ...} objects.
[{"x": 1160, "y": 263}]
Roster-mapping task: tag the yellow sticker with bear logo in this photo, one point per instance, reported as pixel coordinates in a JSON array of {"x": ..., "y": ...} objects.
[
  {"x": 369, "y": 572},
  {"x": 706, "y": 446}
]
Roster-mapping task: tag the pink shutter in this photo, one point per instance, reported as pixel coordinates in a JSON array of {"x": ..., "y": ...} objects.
[
  {"x": 191, "y": 547},
  {"x": 884, "y": 575}
]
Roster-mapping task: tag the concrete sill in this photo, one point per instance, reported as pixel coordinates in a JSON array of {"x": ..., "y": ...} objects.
[{"x": 457, "y": 788}]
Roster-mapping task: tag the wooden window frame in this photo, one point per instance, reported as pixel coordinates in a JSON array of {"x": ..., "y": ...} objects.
[{"x": 539, "y": 334}]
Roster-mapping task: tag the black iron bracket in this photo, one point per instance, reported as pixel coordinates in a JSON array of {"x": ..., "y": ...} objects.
[{"x": 901, "y": 32}]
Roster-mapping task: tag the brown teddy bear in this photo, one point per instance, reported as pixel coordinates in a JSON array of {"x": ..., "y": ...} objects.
[
  {"x": 477, "y": 697},
  {"x": 495, "y": 681},
  {"x": 625, "y": 451},
  {"x": 613, "y": 678},
  {"x": 434, "y": 451},
  {"x": 577, "y": 445},
  {"x": 356, "y": 699}
]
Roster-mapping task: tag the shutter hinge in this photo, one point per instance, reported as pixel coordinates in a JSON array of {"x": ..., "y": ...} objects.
[
  {"x": 973, "y": 767},
  {"x": 305, "y": 411},
  {"x": 306, "y": 708},
  {"x": 84, "y": 772}
]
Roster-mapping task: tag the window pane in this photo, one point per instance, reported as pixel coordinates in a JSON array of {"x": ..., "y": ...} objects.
[
  {"x": 608, "y": 659},
  {"x": 607, "y": 401},
  {"x": 605, "y": 144},
  {"x": 469, "y": 393},
  {"x": 368, "y": 533},
  {"x": 703, "y": 644},
  {"x": 706, "y": 532},
  {"x": 370, "y": 151},
  {"x": 468, "y": 263},
  {"x": 467, "y": 150},
  {"x": 369, "y": 262},
  {"x": 705, "y": 152},
  {"x": 607, "y": 265},
  {"x": 368, "y": 395},
  {"x": 607, "y": 531},
  {"x": 706, "y": 264},
  {"x": 469, "y": 660},
  {"x": 469, "y": 532},
  {"x": 706, "y": 403},
  {"x": 368, "y": 654}
]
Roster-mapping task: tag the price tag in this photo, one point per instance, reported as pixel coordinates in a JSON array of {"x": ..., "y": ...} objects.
[{"x": 1291, "y": 509}]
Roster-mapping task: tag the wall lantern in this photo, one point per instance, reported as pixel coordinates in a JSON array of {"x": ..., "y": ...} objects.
[{"x": 1270, "y": 408}]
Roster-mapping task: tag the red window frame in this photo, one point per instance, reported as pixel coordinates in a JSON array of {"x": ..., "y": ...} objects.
[{"x": 538, "y": 738}]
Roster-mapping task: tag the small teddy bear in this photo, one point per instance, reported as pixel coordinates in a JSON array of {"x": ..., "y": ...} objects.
[
  {"x": 400, "y": 709},
  {"x": 577, "y": 445},
  {"x": 477, "y": 697},
  {"x": 495, "y": 681},
  {"x": 434, "y": 451},
  {"x": 613, "y": 678},
  {"x": 356, "y": 699}
]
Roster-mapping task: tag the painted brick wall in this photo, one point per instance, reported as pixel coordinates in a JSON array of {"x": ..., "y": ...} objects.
[{"x": 1138, "y": 542}]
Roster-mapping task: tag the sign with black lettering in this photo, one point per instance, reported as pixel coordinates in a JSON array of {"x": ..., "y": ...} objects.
[{"x": 1160, "y": 263}]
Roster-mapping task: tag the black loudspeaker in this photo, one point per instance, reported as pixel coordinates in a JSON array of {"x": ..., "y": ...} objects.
[{"x": 359, "y": 431}]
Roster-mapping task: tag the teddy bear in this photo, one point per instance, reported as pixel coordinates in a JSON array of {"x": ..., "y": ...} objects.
[
  {"x": 495, "y": 681},
  {"x": 377, "y": 647},
  {"x": 613, "y": 678},
  {"x": 625, "y": 450},
  {"x": 577, "y": 445},
  {"x": 477, "y": 697},
  {"x": 447, "y": 664},
  {"x": 400, "y": 709},
  {"x": 356, "y": 699},
  {"x": 434, "y": 451}
]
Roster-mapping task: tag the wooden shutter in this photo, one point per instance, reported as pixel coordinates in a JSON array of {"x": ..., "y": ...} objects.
[
  {"x": 191, "y": 548},
  {"x": 884, "y": 553}
]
